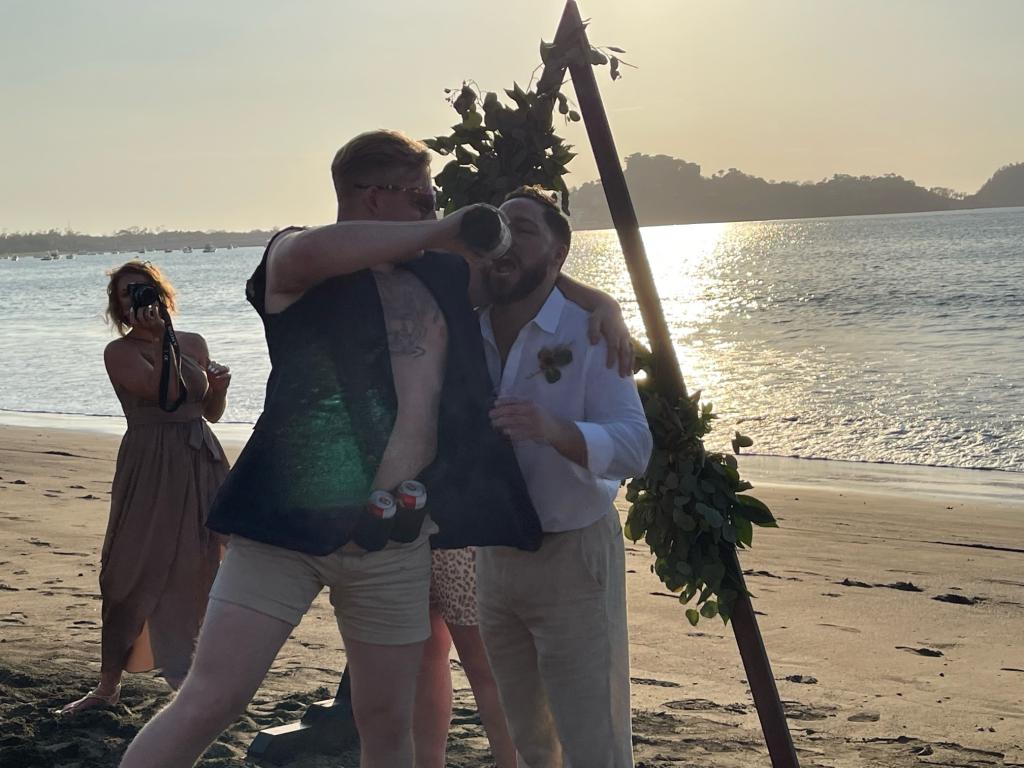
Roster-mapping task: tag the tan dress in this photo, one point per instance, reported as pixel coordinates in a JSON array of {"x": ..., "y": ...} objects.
[{"x": 159, "y": 559}]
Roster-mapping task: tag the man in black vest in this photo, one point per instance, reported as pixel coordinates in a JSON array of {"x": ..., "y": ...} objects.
[{"x": 378, "y": 377}]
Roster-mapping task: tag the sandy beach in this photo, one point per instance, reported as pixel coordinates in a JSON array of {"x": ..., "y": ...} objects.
[{"x": 891, "y": 601}]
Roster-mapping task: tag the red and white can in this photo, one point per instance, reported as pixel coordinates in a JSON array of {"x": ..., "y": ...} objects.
[
  {"x": 412, "y": 495},
  {"x": 382, "y": 504}
]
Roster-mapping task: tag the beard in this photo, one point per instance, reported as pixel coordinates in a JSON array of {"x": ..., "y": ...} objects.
[{"x": 513, "y": 287}]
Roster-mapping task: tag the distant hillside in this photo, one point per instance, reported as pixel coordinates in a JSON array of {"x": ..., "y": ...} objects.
[
  {"x": 667, "y": 190},
  {"x": 1004, "y": 189}
]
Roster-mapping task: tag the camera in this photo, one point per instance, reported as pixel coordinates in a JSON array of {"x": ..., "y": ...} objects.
[{"x": 142, "y": 295}]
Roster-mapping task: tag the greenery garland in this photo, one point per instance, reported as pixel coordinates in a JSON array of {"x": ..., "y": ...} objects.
[{"x": 689, "y": 506}]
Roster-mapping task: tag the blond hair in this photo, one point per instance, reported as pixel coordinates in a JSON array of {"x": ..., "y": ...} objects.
[
  {"x": 150, "y": 273},
  {"x": 375, "y": 154}
]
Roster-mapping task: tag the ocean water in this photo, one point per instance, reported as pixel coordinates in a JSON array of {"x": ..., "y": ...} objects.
[{"x": 893, "y": 339}]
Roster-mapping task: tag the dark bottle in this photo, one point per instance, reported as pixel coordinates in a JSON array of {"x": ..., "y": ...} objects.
[{"x": 485, "y": 229}]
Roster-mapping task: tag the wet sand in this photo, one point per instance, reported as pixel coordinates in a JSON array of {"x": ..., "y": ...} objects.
[{"x": 891, "y": 601}]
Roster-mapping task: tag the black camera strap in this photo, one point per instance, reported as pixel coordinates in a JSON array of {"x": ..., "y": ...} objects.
[{"x": 171, "y": 361}]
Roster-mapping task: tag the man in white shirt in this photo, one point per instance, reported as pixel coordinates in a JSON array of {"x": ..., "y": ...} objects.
[{"x": 554, "y": 621}]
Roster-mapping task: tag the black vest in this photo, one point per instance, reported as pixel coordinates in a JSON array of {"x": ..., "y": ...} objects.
[{"x": 304, "y": 477}]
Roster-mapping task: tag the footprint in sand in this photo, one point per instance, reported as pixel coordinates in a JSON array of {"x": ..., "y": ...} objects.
[
  {"x": 931, "y": 652},
  {"x": 903, "y": 586},
  {"x": 17, "y": 482},
  {"x": 770, "y": 575},
  {"x": 796, "y": 710},
  {"x": 864, "y": 717},
  {"x": 853, "y": 583},
  {"x": 90, "y": 497},
  {"x": 805, "y": 679},
  {"x": 841, "y": 628},
  {"x": 704, "y": 705},
  {"x": 76, "y": 487},
  {"x": 39, "y": 542},
  {"x": 8, "y": 588},
  {"x": 651, "y": 681},
  {"x": 959, "y": 599}
]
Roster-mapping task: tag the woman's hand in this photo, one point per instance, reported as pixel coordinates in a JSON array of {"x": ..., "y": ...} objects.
[
  {"x": 148, "y": 320},
  {"x": 219, "y": 377}
]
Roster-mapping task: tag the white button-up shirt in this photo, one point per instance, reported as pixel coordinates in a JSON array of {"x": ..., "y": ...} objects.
[{"x": 605, "y": 407}]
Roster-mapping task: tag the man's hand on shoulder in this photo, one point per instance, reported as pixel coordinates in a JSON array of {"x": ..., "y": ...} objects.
[{"x": 606, "y": 322}]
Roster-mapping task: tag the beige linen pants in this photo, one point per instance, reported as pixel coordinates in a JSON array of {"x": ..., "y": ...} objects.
[{"x": 554, "y": 625}]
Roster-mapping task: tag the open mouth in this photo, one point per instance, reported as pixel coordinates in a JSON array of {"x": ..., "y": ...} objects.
[{"x": 503, "y": 266}]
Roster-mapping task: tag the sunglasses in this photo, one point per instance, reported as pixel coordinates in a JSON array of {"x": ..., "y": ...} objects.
[{"x": 424, "y": 201}]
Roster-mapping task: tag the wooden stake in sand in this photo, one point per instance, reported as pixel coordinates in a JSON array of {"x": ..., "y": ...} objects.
[
  {"x": 328, "y": 725},
  {"x": 571, "y": 32}
]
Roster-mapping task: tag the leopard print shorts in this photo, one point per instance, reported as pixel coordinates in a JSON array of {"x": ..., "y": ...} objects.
[{"x": 453, "y": 585}]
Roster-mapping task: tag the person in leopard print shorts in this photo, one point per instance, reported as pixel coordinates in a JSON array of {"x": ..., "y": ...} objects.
[{"x": 453, "y": 618}]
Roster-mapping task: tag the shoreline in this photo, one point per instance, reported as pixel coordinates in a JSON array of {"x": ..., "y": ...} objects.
[{"x": 990, "y": 483}]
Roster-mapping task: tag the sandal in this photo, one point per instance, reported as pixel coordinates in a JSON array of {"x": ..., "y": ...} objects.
[{"x": 92, "y": 700}]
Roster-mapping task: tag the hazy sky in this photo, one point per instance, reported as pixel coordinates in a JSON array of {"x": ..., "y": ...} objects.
[{"x": 226, "y": 113}]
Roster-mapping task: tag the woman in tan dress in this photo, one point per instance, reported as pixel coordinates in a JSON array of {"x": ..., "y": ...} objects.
[{"x": 158, "y": 559}]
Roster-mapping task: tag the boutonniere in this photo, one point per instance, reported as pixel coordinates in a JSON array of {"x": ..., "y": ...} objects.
[{"x": 551, "y": 361}]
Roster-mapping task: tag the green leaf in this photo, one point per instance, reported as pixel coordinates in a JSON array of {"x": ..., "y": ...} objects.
[
  {"x": 709, "y": 610},
  {"x": 744, "y": 530},
  {"x": 562, "y": 356},
  {"x": 713, "y": 574},
  {"x": 709, "y": 513},
  {"x": 740, "y": 441},
  {"x": 552, "y": 375},
  {"x": 684, "y": 520},
  {"x": 692, "y": 616},
  {"x": 756, "y": 511},
  {"x": 574, "y": 116},
  {"x": 729, "y": 533},
  {"x": 547, "y": 52}
]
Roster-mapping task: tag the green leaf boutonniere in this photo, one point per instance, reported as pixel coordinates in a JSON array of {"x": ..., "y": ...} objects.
[{"x": 552, "y": 360}]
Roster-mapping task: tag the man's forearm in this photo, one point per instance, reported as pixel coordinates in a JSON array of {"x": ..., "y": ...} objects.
[
  {"x": 566, "y": 438},
  {"x": 313, "y": 255},
  {"x": 579, "y": 293}
]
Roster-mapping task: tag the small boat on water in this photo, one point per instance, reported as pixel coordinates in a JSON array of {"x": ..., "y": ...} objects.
[
  {"x": 187, "y": 249},
  {"x": 209, "y": 249}
]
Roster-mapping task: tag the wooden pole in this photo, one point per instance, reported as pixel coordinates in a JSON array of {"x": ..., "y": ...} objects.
[{"x": 571, "y": 33}]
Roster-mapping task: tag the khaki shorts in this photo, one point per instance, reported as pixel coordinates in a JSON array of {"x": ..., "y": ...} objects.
[
  {"x": 378, "y": 597},
  {"x": 453, "y": 585}
]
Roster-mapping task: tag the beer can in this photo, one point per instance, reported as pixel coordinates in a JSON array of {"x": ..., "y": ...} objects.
[
  {"x": 382, "y": 504},
  {"x": 412, "y": 495}
]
